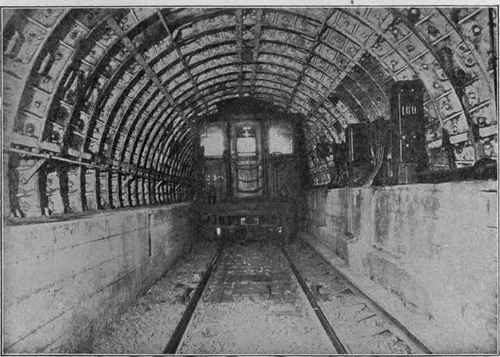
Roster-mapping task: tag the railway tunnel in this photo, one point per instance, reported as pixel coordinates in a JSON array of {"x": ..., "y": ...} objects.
[{"x": 250, "y": 180}]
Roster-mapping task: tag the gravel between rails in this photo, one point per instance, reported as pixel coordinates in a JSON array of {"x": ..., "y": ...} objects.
[{"x": 253, "y": 304}]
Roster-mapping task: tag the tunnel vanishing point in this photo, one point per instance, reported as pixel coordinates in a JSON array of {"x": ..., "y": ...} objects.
[{"x": 250, "y": 180}]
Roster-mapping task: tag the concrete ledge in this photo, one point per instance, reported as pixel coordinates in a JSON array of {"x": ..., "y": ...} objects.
[
  {"x": 426, "y": 252},
  {"x": 63, "y": 281},
  {"x": 13, "y": 221}
]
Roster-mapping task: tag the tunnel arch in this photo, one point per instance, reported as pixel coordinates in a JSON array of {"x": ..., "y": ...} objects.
[{"x": 112, "y": 92}]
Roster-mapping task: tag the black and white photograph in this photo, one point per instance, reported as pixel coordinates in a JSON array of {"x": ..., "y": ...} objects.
[{"x": 231, "y": 179}]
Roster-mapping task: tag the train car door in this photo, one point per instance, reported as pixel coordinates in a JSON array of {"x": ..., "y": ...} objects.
[
  {"x": 213, "y": 142},
  {"x": 282, "y": 161},
  {"x": 246, "y": 159}
]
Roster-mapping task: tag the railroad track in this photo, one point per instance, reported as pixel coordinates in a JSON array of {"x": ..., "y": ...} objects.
[
  {"x": 339, "y": 347},
  {"x": 226, "y": 277},
  {"x": 174, "y": 341},
  {"x": 360, "y": 323}
]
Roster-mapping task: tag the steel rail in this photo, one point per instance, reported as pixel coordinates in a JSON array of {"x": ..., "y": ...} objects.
[
  {"x": 181, "y": 327},
  {"x": 339, "y": 346}
]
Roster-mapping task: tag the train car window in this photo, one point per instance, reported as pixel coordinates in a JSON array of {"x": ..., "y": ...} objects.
[
  {"x": 281, "y": 138},
  {"x": 212, "y": 141},
  {"x": 246, "y": 144}
]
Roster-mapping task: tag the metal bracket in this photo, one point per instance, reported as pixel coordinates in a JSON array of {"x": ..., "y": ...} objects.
[{"x": 35, "y": 169}]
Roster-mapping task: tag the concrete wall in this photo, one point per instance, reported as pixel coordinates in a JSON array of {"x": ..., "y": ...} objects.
[
  {"x": 427, "y": 253},
  {"x": 64, "y": 280}
]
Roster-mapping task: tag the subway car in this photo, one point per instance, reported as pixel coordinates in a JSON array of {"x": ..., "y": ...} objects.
[{"x": 249, "y": 172}]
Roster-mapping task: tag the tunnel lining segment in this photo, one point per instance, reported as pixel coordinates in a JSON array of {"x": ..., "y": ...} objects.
[{"x": 86, "y": 99}]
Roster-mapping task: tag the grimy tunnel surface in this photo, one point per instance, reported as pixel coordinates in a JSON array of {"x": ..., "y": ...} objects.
[{"x": 344, "y": 158}]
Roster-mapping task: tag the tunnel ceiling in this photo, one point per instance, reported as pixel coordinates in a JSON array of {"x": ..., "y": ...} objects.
[{"x": 98, "y": 102}]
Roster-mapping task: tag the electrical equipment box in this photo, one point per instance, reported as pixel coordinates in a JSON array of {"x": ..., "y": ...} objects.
[
  {"x": 408, "y": 153},
  {"x": 358, "y": 143},
  {"x": 358, "y": 152}
]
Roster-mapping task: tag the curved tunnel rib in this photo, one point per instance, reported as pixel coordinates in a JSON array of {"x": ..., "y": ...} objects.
[{"x": 104, "y": 88}]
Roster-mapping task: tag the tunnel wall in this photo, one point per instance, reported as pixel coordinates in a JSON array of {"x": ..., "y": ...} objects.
[
  {"x": 427, "y": 253},
  {"x": 64, "y": 280}
]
